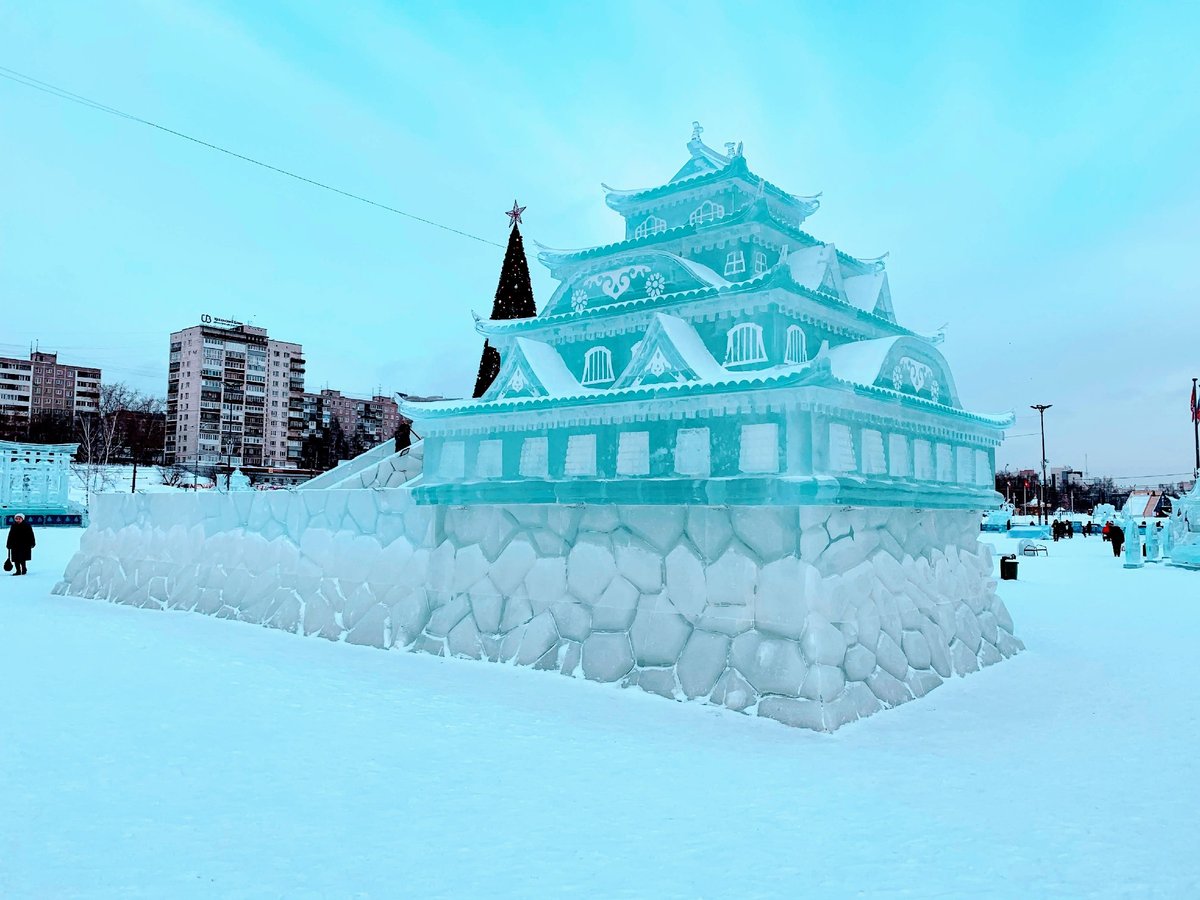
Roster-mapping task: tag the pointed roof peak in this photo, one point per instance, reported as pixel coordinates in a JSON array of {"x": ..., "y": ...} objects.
[{"x": 705, "y": 159}]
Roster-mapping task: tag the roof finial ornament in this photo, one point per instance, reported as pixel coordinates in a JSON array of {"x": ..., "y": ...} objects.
[
  {"x": 514, "y": 215},
  {"x": 730, "y": 147},
  {"x": 696, "y": 130}
]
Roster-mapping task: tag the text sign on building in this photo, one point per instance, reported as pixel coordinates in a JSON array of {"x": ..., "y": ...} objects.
[{"x": 206, "y": 319}]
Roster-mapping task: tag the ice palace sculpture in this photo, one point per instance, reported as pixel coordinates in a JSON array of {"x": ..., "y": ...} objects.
[
  {"x": 714, "y": 466},
  {"x": 1183, "y": 530},
  {"x": 35, "y": 481}
]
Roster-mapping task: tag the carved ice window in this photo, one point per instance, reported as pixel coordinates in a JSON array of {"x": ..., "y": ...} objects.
[
  {"x": 489, "y": 462},
  {"x": 452, "y": 460},
  {"x": 841, "y": 448},
  {"x": 759, "y": 450},
  {"x": 873, "y": 462},
  {"x": 744, "y": 344},
  {"x": 945, "y": 462},
  {"x": 653, "y": 225},
  {"x": 760, "y": 262},
  {"x": 581, "y": 455},
  {"x": 922, "y": 460},
  {"x": 964, "y": 459},
  {"x": 706, "y": 212},
  {"x": 797, "y": 346},
  {"x": 899, "y": 464},
  {"x": 597, "y": 366},
  {"x": 983, "y": 469},
  {"x": 692, "y": 452},
  {"x": 735, "y": 263},
  {"x": 633, "y": 453},
  {"x": 535, "y": 457}
]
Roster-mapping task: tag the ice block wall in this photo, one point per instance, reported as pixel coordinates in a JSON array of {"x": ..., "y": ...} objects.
[{"x": 814, "y": 616}]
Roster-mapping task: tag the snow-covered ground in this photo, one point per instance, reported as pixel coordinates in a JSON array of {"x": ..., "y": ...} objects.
[
  {"x": 163, "y": 754},
  {"x": 119, "y": 479}
]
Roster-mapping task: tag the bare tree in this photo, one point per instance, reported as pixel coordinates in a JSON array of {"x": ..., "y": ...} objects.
[
  {"x": 142, "y": 431},
  {"x": 126, "y": 423}
]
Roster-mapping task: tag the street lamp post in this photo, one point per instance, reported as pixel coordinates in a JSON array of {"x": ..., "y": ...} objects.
[{"x": 1041, "y": 408}]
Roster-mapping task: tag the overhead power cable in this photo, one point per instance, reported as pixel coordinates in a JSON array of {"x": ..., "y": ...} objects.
[{"x": 47, "y": 88}]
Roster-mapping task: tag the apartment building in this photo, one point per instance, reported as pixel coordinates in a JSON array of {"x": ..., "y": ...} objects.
[
  {"x": 41, "y": 385},
  {"x": 234, "y": 397},
  {"x": 364, "y": 422}
]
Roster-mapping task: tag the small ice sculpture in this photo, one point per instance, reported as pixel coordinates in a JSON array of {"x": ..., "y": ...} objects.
[{"x": 1133, "y": 543}]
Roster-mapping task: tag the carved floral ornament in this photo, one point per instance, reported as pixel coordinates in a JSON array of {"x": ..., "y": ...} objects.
[
  {"x": 918, "y": 375},
  {"x": 616, "y": 282}
]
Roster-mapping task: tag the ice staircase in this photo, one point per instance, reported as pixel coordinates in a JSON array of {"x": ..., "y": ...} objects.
[{"x": 380, "y": 467}]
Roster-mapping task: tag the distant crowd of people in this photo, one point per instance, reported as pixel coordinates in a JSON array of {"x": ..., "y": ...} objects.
[{"x": 1062, "y": 529}]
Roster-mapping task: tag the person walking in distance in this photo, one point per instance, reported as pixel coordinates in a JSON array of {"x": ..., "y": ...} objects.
[
  {"x": 1116, "y": 535},
  {"x": 20, "y": 544}
]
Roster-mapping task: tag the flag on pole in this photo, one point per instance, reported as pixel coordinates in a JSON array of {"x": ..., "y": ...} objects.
[{"x": 1195, "y": 409}]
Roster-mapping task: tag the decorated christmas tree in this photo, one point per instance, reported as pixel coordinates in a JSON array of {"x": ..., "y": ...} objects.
[{"x": 514, "y": 297}]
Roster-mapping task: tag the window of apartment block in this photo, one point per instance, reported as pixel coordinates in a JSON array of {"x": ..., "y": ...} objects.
[
  {"x": 759, "y": 448},
  {"x": 633, "y": 453},
  {"x": 535, "y": 457},
  {"x": 692, "y": 452},
  {"x": 581, "y": 455}
]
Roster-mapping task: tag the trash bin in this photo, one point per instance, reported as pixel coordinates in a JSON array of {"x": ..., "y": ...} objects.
[{"x": 1008, "y": 567}]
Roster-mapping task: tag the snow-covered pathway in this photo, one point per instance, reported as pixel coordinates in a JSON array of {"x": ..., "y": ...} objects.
[{"x": 146, "y": 753}]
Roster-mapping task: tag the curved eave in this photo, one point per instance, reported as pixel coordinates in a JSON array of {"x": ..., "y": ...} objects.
[
  {"x": 998, "y": 422},
  {"x": 742, "y": 381},
  {"x": 775, "y": 277},
  {"x": 812, "y": 373},
  {"x": 552, "y": 257},
  {"x": 853, "y": 261},
  {"x": 621, "y": 200}
]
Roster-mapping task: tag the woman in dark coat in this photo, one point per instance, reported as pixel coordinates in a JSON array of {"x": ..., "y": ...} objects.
[
  {"x": 20, "y": 544},
  {"x": 1116, "y": 534}
]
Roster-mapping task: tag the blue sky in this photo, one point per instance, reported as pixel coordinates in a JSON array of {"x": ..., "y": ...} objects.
[{"x": 1031, "y": 168}]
